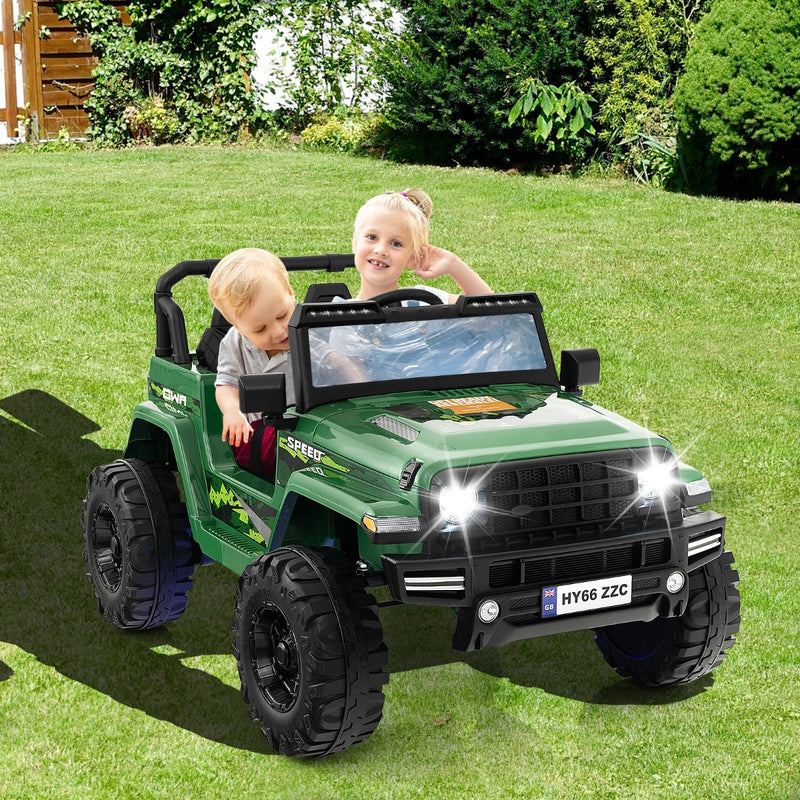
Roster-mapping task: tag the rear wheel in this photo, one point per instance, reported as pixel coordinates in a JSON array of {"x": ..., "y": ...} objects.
[
  {"x": 137, "y": 544},
  {"x": 310, "y": 651},
  {"x": 681, "y": 649}
]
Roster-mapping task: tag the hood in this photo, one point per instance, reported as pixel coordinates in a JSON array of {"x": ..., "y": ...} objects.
[{"x": 471, "y": 426}]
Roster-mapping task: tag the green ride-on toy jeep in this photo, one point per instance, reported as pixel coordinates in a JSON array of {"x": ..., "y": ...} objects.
[{"x": 432, "y": 449}]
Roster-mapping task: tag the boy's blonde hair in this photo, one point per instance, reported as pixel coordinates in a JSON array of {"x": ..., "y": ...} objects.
[
  {"x": 414, "y": 205},
  {"x": 237, "y": 278}
]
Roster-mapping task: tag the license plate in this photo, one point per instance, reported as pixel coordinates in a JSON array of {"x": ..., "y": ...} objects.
[{"x": 576, "y": 598}]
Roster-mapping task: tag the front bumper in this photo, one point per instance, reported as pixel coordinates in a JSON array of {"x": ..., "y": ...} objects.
[{"x": 514, "y": 580}]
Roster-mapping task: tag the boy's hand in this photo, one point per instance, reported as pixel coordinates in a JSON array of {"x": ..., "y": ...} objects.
[{"x": 235, "y": 428}]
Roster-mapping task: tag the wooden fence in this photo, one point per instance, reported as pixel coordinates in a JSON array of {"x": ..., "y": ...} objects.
[{"x": 55, "y": 65}]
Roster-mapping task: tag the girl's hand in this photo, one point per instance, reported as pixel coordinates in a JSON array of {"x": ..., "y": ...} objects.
[
  {"x": 434, "y": 262},
  {"x": 235, "y": 428}
]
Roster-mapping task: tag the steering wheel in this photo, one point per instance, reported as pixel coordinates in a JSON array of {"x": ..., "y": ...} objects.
[{"x": 396, "y": 296}]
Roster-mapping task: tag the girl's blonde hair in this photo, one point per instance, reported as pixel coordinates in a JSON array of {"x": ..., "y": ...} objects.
[
  {"x": 414, "y": 205},
  {"x": 238, "y": 277}
]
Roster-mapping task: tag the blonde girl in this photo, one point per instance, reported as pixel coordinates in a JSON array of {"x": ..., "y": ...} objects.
[{"x": 391, "y": 234}]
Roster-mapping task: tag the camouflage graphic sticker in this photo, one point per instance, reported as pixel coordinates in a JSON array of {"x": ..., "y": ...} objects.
[
  {"x": 295, "y": 454},
  {"x": 227, "y": 507}
]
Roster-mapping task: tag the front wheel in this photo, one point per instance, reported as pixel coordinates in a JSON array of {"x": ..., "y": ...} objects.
[
  {"x": 674, "y": 650},
  {"x": 310, "y": 651}
]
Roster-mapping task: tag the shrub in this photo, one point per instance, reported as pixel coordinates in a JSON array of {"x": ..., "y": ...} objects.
[
  {"x": 738, "y": 103},
  {"x": 324, "y": 56},
  {"x": 650, "y": 155},
  {"x": 152, "y": 123},
  {"x": 346, "y": 131},
  {"x": 452, "y": 75},
  {"x": 179, "y": 69},
  {"x": 636, "y": 51},
  {"x": 560, "y": 116}
]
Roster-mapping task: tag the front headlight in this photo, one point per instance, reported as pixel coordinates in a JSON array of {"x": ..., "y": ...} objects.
[
  {"x": 657, "y": 481},
  {"x": 458, "y": 504}
]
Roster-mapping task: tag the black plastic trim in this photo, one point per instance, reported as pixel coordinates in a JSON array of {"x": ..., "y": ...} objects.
[
  {"x": 318, "y": 315},
  {"x": 170, "y": 323},
  {"x": 477, "y": 586}
]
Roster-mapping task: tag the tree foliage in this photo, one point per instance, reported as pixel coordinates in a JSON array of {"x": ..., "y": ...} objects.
[
  {"x": 458, "y": 67},
  {"x": 329, "y": 53},
  {"x": 180, "y": 69},
  {"x": 738, "y": 102},
  {"x": 636, "y": 51}
]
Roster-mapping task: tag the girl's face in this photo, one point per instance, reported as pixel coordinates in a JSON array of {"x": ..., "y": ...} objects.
[{"x": 382, "y": 249}]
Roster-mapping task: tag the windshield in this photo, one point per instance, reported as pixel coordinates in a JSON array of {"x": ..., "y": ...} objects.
[{"x": 358, "y": 353}]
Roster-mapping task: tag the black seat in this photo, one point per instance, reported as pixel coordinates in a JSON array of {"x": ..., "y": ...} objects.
[
  {"x": 208, "y": 348},
  {"x": 325, "y": 292}
]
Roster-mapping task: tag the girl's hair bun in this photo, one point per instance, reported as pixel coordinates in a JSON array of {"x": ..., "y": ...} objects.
[{"x": 421, "y": 200}]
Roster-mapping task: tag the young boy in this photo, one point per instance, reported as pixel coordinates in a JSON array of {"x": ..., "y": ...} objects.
[{"x": 251, "y": 289}]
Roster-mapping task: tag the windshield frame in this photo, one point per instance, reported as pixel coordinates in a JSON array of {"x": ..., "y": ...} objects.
[{"x": 325, "y": 315}]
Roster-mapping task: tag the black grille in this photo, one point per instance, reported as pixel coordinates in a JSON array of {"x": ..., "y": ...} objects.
[
  {"x": 561, "y": 499},
  {"x": 590, "y": 492},
  {"x": 596, "y": 564}
]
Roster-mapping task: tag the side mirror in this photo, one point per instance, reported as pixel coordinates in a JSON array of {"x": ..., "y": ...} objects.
[
  {"x": 579, "y": 368},
  {"x": 265, "y": 394}
]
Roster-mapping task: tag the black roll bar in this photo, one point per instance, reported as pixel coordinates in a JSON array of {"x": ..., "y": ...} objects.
[{"x": 170, "y": 322}]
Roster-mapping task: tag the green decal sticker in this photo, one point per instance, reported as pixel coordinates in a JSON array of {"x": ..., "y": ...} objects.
[
  {"x": 304, "y": 452},
  {"x": 227, "y": 508},
  {"x": 172, "y": 399}
]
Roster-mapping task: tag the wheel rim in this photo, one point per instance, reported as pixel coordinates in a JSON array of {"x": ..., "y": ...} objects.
[
  {"x": 107, "y": 548},
  {"x": 274, "y": 657}
]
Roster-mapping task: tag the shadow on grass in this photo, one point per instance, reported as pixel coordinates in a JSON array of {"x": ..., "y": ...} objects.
[{"x": 47, "y": 607}]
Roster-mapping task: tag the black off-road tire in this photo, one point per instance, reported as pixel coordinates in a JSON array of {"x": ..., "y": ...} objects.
[
  {"x": 669, "y": 651},
  {"x": 138, "y": 547},
  {"x": 310, "y": 651}
]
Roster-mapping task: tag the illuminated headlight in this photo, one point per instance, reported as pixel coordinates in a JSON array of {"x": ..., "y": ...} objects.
[
  {"x": 657, "y": 481},
  {"x": 457, "y": 504}
]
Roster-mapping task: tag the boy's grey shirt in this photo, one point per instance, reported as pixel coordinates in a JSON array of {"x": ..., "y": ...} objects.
[{"x": 239, "y": 356}]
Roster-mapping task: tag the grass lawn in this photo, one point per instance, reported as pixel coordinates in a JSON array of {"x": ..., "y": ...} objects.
[{"x": 694, "y": 305}]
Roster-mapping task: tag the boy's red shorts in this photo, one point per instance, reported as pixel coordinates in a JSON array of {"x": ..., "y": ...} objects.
[{"x": 257, "y": 454}]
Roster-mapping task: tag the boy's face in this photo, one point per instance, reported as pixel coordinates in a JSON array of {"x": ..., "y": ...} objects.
[
  {"x": 266, "y": 322},
  {"x": 382, "y": 248}
]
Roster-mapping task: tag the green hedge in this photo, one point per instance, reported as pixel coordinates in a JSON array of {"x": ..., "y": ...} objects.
[
  {"x": 738, "y": 103},
  {"x": 455, "y": 74}
]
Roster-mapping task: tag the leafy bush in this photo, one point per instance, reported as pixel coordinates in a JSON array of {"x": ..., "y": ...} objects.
[
  {"x": 180, "y": 68},
  {"x": 738, "y": 102},
  {"x": 561, "y": 116},
  {"x": 346, "y": 131},
  {"x": 329, "y": 48},
  {"x": 151, "y": 122},
  {"x": 636, "y": 50},
  {"x": 650, "y": 155},
  {"x": 451, "y": 75}
]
